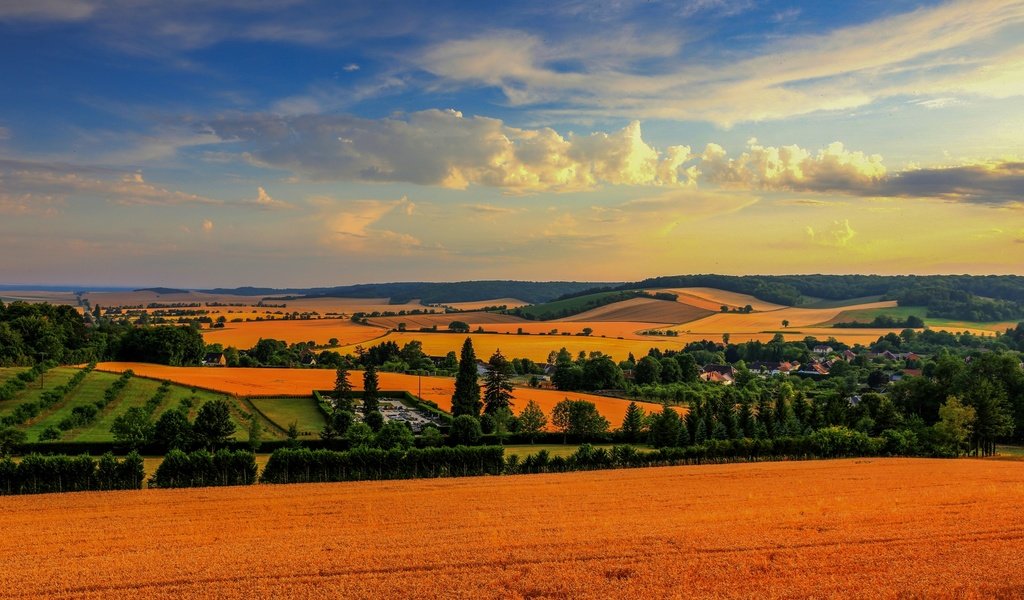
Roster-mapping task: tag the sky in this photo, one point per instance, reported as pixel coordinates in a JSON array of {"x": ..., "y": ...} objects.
[{"x": 293, "y": 143}]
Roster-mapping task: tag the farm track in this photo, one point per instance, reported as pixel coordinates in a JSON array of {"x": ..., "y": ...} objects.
[{"x": 847, "y": 528}]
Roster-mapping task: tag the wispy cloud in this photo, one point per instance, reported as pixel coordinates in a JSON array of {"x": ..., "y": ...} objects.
[
  {"x": 356, "y": 226},
  {"x": 47, "y": 10},
  {"x": 936, "y": 51},
  {"x": 30, "y": 180}
]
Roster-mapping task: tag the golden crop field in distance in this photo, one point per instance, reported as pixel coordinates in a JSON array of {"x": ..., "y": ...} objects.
[
  {"x": 320, "y": 331},
  {"x": 881, "y": 528},
  {"x": 287, "y": 382}
]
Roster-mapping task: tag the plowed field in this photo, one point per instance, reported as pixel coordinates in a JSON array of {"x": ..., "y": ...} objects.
[{"x": 895, "y": 528}]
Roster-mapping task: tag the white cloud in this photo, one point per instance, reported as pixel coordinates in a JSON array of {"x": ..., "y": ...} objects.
[
  {"x": 940, "y": 51},
  {"x": 838, "y": 234},
  {"x": 350, "y": 67},
  {"x": 792, "y": 168},
  {"x": 265, "y": 202},
  {"x": 64, "y": 181},
  {"x": 436, "y": 147}
]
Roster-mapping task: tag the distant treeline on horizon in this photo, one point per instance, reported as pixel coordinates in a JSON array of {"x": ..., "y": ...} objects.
[{"x": 964, "y": 297}]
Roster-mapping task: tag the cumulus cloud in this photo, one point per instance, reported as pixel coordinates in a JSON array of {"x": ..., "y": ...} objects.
[
  {"x": 444, "y": 148},
  {"x": 264, "y": 201},
  {"x": 838, "y": 234},
  {"x": 441, "y": 147},
  {"x": 997, "y": 182},
  {"x": 792, "y": 168},
  {"x": 61, "y": 181}
]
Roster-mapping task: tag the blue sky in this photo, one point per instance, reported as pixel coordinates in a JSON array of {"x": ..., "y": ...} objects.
[{"x": 300, "y": 143}]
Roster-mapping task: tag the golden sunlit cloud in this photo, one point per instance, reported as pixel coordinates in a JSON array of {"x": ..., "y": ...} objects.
[
  {"x": 445, "y": 149},
  {"x": 838, "y": 234}
]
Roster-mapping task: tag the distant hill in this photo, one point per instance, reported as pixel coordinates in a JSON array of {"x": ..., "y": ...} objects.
[
  {"x": 460, "y": 291},
  {"x": 966, "y": 297},
  {"x": 162, "y": 290}
]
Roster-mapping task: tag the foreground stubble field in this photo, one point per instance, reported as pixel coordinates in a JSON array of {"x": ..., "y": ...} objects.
[{"x": 850, "y": 528}]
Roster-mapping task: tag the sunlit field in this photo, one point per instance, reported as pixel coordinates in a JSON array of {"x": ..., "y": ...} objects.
[
  {"x": 890, "y": 528},
  {"x": 273, "y": 382},
  {"x": 320, "y": 331}
]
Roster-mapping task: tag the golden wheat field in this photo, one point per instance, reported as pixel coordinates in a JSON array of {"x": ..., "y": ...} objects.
[
  {"x": 477, "y": 305},
  {"x": 713, "y": 299},
  {"x": 624, "y": 329},
  {"x": 273, "y": 382},
  {"x": 441, "y": 321},
  {"x": 642, "y": 309},
  {"x": 320, "y": 331},
  {"x": 883, "y": 528},
  {"x": 534, "y": 347}
]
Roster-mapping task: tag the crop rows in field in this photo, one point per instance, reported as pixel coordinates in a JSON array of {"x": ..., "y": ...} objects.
[
  {"x": 135, "y": 394},
  {"x": 851, "y": 528}
]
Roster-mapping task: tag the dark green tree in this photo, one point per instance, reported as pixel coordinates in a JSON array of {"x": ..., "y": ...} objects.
[
  {"x": 465, "y": 430},
  {"x": 342, "y": 390},
  {"x": 394, "y": 435},
  {"x": 172, "y": 431},
  {"x": 466, "y": 398},
  {"x": 133, "y": 428},
  {"x": 633, "y": 423},
  {"x": 647, "y": 371},
  {"x": 375, "y": 420},
  {"x": 532, "y": 421},
  {"x": 578, "y": 418},
  {"x": 666, "y": 429},
  {"x": 371, "y": 391},
  {"x": 213, "y": 427},
  {"x": 10, "y": 440},
  {"x": 497, "y": 384}
]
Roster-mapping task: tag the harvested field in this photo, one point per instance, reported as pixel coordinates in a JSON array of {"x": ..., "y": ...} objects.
[
  {"x": 534, "y": 347},
  {"x": 46, "y": 296},
  {"x": 771, "y": 320},
  {"x": 272, "y": 382},
  {"x": 643, "y": 309},
  {"x": 713, "y": 299},
  {"x": 473, "y": 319},
  {"x": 612, "y": 329},
  {"x": 349, "y": 305},
  {"x": 850, "y": 528},
  {"x": 320, "y": 331},
  {"x": 507, "y": 302}
]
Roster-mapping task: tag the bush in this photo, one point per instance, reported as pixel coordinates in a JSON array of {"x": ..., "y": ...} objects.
[
  {"x": 465, "y": 431},
  {"x": 835, "y": 442},
  {"x": 303, "y": 465},
  {"x": 203, "y": 468},
  {"x": 37, "y": 474}
]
